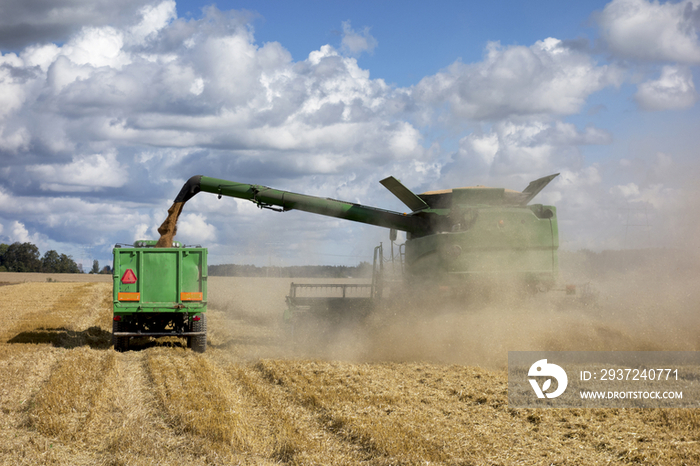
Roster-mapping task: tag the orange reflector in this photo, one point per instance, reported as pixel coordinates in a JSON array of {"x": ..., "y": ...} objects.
[
  {"x": 129, "y": 296},
  {"x": 191, "y": 296}
]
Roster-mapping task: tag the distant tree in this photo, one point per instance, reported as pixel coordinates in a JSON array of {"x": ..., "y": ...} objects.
[
  {"x": 3, "y": 249},
  {"x": 95, "y": 266},
  {"x": 106, "y": 270},
  {"x": 66, "y": 264},
  {"x": 22, "y": 257},
  {"x": 50, "y": 262}
]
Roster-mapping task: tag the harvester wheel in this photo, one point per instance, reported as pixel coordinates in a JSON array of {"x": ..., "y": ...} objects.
[
  {"x": 121, "y": 344},
  {"x": 198, "y": 343}
]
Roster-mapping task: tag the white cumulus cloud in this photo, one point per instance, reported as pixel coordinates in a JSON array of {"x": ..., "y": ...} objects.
[
  {"x": 84, "y": 173},
  {"x": 527, "y": 149},
  {"x": 153, "y": 19},
  {"x": 25, "y": 22},
  {"x": 18, "y": 233},
  {"x": 673, "y": 90},
  {"x": 97, "y": 47},
  {"x": 545, "y": 78},
  {"x": 354, "y": 43},
  {"x": 656, "y": 31},
  {"x": 193, "y": 228}
]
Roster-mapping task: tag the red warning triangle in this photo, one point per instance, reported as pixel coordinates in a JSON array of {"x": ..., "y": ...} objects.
[{"x": 128, "y": 278}]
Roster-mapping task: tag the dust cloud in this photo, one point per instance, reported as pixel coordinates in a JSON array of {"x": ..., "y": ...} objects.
[
  {"x": 645, "y": 300},
  {"x": 638, "y": 310}
]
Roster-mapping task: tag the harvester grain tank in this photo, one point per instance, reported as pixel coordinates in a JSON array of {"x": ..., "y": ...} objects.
[{"x": 455, "y": 238}]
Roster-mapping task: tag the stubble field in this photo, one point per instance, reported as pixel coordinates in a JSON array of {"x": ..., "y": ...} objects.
[{"x": 410, "y": 389}]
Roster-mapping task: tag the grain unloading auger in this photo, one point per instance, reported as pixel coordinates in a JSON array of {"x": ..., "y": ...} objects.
[{"x": 457, "y": 240}]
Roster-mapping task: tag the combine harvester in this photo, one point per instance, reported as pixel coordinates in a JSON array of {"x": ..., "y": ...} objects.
[{"x": 458, "y": 242}]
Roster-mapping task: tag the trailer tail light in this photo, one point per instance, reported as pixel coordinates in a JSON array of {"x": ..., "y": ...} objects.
[
  {"x": 196, "y": 318},
  {"x": 117, "y": 318},
  {"x": 129, "y": 296},
  {"x": 191, "y": 296}
]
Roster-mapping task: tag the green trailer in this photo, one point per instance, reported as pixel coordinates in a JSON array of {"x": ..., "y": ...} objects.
[{"x": 159, "y": 292}]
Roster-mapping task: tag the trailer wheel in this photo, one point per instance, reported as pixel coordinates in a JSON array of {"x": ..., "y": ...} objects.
[
  {"x": 121, "y": 344},
  {"x": 198, "y": 343}
]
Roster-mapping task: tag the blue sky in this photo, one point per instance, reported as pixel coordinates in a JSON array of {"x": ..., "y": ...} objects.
[
  {"x": 106, "y": 108},
  {"x": 416, "y": 38}
]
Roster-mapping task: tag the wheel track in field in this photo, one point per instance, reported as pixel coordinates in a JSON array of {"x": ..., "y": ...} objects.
[
  {"x": 197, "y": 402},
  {"x": 30, "y": 355},
  {"x": 292, "y": 434},
  {"x": 86, "y": 406},
  {"x": 381, "y": 439},
  {"x": 23, "y": 371},
  {"x": 133, "y": 421},
  {"x": 459, "y": 415}
]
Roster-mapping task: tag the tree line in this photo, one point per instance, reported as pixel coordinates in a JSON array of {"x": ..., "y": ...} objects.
[{"x": 25, "y": 257}]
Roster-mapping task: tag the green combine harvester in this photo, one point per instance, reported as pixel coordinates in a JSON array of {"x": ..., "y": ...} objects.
[{"x": 457, "y": 240}]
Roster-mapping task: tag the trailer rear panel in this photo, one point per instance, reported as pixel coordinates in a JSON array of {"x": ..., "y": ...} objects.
[{"x": 159, "y": 292}]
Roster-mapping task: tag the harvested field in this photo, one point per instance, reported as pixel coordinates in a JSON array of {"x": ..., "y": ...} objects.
[{"x": 415, "y": 390}]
